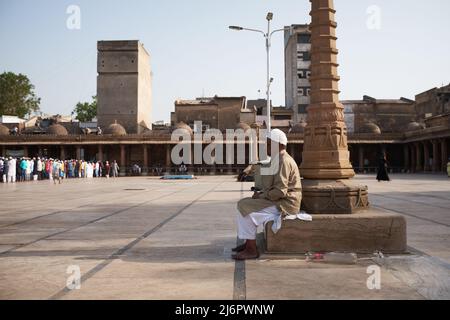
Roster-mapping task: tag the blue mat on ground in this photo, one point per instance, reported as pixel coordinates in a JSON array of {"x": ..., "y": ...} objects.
[{"x": 178, "y": 177}]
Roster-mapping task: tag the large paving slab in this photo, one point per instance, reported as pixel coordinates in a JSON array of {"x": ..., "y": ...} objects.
[{"x": 143, "y": 238}]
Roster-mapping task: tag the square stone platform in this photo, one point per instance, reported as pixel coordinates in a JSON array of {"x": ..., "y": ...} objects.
[{"x": 364, "y": 232}]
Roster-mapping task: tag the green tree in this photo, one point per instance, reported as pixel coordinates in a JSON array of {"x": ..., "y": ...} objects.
[
  {"x": 17, "y": 97},
  {"x": 86, "y": 111}
]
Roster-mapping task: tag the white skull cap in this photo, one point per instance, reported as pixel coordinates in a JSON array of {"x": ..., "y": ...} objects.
[{"x": 278, "y": 136}]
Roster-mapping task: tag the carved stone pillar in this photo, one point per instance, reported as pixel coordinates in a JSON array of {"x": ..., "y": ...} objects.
[
  {"x": 62, "y": 153},
  {"x": 426, "y": 157},
  {"x": 436, "y": 156},
  {"x": 406, "y": 158},
  {"x": 326, "y": 163},
  {"x": 100, "y": 153},
  {"x": 419, "y": 167},
  {"x": 325, "y": 152},
  {"x": 145, "y": 160},
  {"x": 412, "y": 150},
  {"x": 444, "y": 155},
  {"x": 123, "y": 164},
  {"x": 361, "y": 158},
  {"x": 78, "y": 152},
  {"x": 168, "y": 161}
]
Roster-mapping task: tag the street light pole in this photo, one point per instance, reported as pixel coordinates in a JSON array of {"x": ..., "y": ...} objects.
[{"x": 268, "y": 38}]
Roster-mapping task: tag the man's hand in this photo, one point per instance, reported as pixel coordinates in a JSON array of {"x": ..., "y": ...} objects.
[{"x": 255, "y": 195}]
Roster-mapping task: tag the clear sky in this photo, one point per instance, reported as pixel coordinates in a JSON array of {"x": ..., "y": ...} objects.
[{"x": 193, "y": 52}]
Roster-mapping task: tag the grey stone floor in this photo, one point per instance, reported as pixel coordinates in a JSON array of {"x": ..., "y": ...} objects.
[{"x": 142, "y": 238}]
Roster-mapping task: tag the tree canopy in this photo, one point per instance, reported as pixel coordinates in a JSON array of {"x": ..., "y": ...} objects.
[
  {"x": 17, "y": 97},
  {"x": 86, "y": 111}
]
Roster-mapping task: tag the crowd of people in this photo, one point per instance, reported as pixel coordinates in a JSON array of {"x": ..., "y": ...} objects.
[{"x": 31, "y": 169}]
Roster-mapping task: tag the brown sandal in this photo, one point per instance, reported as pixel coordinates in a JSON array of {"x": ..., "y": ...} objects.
[
  {"x": 244, "y": 256},
  {"x": 239, "y": 248}
]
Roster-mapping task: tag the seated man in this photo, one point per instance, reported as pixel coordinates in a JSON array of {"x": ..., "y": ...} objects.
[{"x": 281, "y": 195}]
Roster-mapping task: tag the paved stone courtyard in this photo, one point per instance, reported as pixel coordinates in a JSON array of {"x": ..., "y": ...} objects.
[{"x": 143, "y": 238}]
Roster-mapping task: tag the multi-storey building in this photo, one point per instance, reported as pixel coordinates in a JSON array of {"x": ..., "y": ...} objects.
[{"x": 297, "y": 53}]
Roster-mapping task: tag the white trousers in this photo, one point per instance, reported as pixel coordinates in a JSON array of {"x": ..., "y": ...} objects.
[{"x": 247, "y": 226}]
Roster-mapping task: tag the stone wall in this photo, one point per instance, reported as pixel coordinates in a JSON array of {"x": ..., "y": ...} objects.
[{"x": 389, "y": 116}]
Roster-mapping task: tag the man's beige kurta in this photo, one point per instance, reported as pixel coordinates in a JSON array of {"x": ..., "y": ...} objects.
[{"x": 282, "y": 189}]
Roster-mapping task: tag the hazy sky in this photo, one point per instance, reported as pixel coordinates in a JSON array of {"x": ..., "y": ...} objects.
[{"x": 192, "y": 51}]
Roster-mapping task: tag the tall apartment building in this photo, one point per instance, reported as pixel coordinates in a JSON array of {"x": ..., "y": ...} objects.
[
  {"x": 297, "y": 55},
  {"x": 124, "y": 88}
]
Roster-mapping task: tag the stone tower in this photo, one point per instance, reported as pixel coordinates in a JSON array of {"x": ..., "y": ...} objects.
[
  {"x": 326, "y": 154},
  {"x": 326, "y": 163},
  {"x": 124, "y": 89}
]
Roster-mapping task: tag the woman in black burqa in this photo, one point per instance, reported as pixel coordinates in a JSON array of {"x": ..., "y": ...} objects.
[{"x": 382, "y": 174}]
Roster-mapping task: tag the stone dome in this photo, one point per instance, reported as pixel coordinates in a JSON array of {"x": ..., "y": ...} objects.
[
  {"x": 183, "y": 126},
  {"x": 370, "y": 127},
  {"x": 299, "y": 127},
  {"x": 243, "y": 126},
  {"x": 4, "y": 131},
  {"x": 414, "y": 126},
  {"x": 116, "y": 129},
  {"x": 57, "y": 130}
]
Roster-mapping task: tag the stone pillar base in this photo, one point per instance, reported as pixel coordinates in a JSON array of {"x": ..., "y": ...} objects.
[
  {"x": 364, "y": 232},
  {"x": 333, "y": 197},
  {"x": 327, "y": 173}
]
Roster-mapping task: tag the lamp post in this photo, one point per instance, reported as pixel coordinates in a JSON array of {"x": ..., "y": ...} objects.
[{"x": 268, "y": 37}]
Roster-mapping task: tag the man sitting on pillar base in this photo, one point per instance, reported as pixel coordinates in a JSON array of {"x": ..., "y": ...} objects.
[{"x": 281, "y": 195}]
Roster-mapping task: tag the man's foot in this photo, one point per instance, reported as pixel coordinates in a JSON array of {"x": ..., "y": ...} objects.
[
  {"x": 250, "y": 251},
  {"x": 245, "y": 255},
  {"x": 239, "y": 248}
]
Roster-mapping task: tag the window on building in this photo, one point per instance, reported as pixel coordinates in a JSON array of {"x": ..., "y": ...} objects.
[
  {"x": 307, "y": 56},
  {"x": 304, "y": 55},
  {"x": 303, "y": 73},
  {"x": 282, "y": 117},
  {"x": 308, "y": 92},
  {"x": 304, "y": 38},
  {"x": 300, "y": 91}
]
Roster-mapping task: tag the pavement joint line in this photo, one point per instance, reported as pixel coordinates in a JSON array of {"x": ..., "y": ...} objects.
[
  {"x": 416, "y": 201},
  {"x": 411, "y": 215},
  {"x": 60, "y": 211},
  {"x": 88, "y": 223},
  {"x": 56, "y": 197},
  {"x": 128, "y": 246},
  {"x": 239, "y": 281}
]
